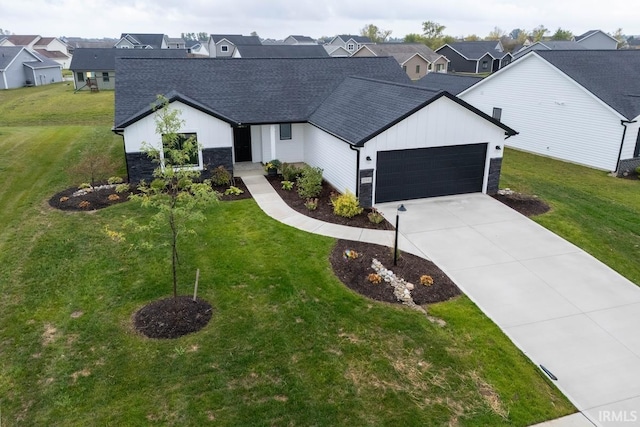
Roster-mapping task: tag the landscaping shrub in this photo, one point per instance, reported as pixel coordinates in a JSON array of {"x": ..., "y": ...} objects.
[
  {"x": 347, "y": 205},
  {"x": 221, "y": 176},
  {"x": 311, "y": 204},
  {"x": 233, "y": 191},
  {"x": 290, "y": 172},
  {"x": 287, "y": 185},
  {"x": 310, "y": 182},
  {"x": 375, "y": 216}
]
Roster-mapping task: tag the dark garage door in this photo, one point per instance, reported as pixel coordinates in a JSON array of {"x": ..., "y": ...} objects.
[{"x": 429, "y": 172}]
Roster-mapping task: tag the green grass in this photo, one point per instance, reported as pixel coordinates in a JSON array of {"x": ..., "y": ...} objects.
[
  {"x": 597, "y": 212},
  {"x": 288, "y": 344}
]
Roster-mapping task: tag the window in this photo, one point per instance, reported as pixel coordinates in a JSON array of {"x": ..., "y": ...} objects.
[
  {"x": 350, "y": 46},
  {"x": 171, "y": 145},
  {"x": 404, "y": 68},
  {"x": 439, "y": 67},
  {"x": 485, "y": 65},
  {"x": 497, "y": 113},
  {"x": 285, "y": 131},
  {"x": 636, "y": 151},
  {"x": 105, "y": 77},
  {"x": 224, "y": 48},
  {"x": 418, "y": 69},
  {"x": 430, "y": 67},
  {"x": 80, "y": 75}
]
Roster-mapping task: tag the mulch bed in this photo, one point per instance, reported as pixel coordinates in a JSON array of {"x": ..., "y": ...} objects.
[
  {"x": 99, "y": 199},
  {"x": 526, "y": 204},
  {"x": 353, "y": 273},
  {"x": 172, "y": 317},
  {"x": 324, "y": 212}
]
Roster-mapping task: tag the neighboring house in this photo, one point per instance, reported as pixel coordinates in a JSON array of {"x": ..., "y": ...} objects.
[
  {"x": 28, "y": 41},
  {"x": 224, "y": 45},
  {"x": 579, "y": 106},
  {"x": 336, "y": 51},
  {"x": 99, "y": 64},
  {"x": 197, "y": 47},
  {"x": 49, "y": 47},
  {"x": 382, "y": 140},
  {"x": 64, "y": 60},
  {"x": 452, "y": 83},
  {"x": 176, "y": 43},
  {"x": 416, "y": 59},
  {"x": 20, "y": 67},
  {"x": 142, "y": 41},
  {"x": 475, "y": 57},
  {"x": 349, "y": 43},
  {"x": 79, "y": 42},
  {"x": 299, "y": 40},
  {"x": 596, "y": 39},
  {"x": 549, "y": 45},
  {"x": 280, "y": 51}
]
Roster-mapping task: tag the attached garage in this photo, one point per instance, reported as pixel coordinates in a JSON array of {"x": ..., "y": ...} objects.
[{"x": 429, "y": 172}]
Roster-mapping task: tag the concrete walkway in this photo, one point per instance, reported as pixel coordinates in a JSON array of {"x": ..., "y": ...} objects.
[{"x": 563, "y": 308}]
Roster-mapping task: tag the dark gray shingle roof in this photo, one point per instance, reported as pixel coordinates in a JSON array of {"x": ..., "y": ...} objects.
[
  {"x": 357, "y": 39},
  {"x": 451, "y": 83},
  {"x": 359, "y": 109},
  {"x": 153, "y": 40},
  {"x": 477, "y": 49},
  {"x": 7, "y": 54},
  {"x": 105, "y": 58},
  {"x": 611, "y": 75},
  {"x": 250, "y": 91},
  {"x": 305, "y": 39},
  {"x": 283, "y": 51},
  {"x": 237, "y": 39},
  {"x": 403, "y": 51}
]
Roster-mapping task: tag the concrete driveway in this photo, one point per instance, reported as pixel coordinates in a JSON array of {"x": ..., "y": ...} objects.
[{"x": 563, "y": 308}]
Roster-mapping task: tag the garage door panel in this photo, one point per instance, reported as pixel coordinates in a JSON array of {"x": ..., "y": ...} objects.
[{"x": 430, "y": 172}]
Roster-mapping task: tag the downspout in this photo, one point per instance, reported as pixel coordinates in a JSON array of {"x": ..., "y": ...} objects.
[
  {"x": 624, "y": 124},
  {"x": 124, "y": 148},
  {"x": 357, "y": 168}
]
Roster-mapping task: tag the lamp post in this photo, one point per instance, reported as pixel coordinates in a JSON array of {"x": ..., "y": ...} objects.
[{"x": 400, "y": 209}]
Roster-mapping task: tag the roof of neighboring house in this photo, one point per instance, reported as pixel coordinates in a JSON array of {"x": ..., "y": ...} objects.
[
  {"x": 7, "y": 54},
  {"x": 452, "y": 83},
  {"x": 302, "y": 39},
  {"x": 359, "y": 109},
  {"x": 332, "y": 49},
  {"x": 475, "y": 50},
  {"x": 402, "y": 52},
  {"x": 45, "y": 41},
  {"x": 176, "y": 40},
  {"x": 282, "y": 51},
  {"x": 550, "y": 45},
  {"x": 591, "y": 33},
  {"x": 52, "y": 54},
  {"x": 95, "y": 59},
  {"x": 237, "y": 39},
  {"x": 153, "y": 40},
  {"x": 357, "y": 39},
  {"x": 19, "y": 40},
  {"x": 249, "y": 91},
  {"x": 619, "y": 87},
  {"x": 191, "y": 43},
  {"x": 85, "y": 44}
]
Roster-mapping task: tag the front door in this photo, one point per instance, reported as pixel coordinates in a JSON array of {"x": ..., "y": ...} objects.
[{"x": 242, "y": 144}]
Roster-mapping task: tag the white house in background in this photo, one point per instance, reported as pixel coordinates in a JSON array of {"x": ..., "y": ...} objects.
[
  {"x": 197, "y": 47},
  {"x": 383, "y": 141},
  {"x": 299, "y": 40},
  {"x": 416, "y": 59},
  {"x": 48, "y": 47},
  {"x": 579, "y": 106},
  {"x": 224, "y": 45},
  {"x": 596, "y": 39},
  {"x": 350, "y": 43}
]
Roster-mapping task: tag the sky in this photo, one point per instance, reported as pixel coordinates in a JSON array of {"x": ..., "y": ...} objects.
[{"x": 279, "y": 18}]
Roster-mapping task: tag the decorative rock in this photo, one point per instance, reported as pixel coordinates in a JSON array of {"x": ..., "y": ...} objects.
[
  {"x": 401, "y": 288},
  {"x": 410, "y": 286}
]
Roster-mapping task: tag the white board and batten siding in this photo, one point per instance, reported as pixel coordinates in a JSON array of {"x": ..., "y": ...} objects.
[
  {"x": 554, "y": 115},
  {"x": 212, "y": 132},
  {"x": 333, "y": 155},
  {"x": 441, "y": 123}
]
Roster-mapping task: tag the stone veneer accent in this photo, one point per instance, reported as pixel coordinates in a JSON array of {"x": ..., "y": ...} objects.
[
  {"x": 493, "y": 181},
  {"x": 365, "y": 192},
  {"x": 140, "y": 166}
]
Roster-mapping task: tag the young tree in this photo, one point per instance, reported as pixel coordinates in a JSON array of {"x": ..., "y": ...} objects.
[
  {"x": 472, "y": 38},
  {"x": 95, "y": 164},
  {"x": 175, "y": 193},
  {"x": 375, "y": 34},
  {"x": 414, "y": 38},
  {"x": 496, "y": 34},
  {"x": 561, "y": 34},
  {"x": 539, "y": 32},
  {"x": 619, "y": 35}
]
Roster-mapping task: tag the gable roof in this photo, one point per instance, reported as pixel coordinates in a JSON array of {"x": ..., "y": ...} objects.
[
  {"x": 52, "y": 54},
  {"x": 44, "y": 41},
  {"x": 402, "y": 52},
  {"x": 358, "y": 39},
  {"x": 475, "y": 50},
  {"x": 20, "y": 40},
  {"x": 152, "y": 40},
  {"x": 592, "y": 33},
  {"x": 359, "y": 109},
  {"x": 96, "y": 59},
  {"x": 237, "y": 39},
  {"x": 619, "y": 88},
  {"x": 282, "y": 51},
  {"x": 451, "y": 83},
  {"x": 550, "y": 45},
  {"x": 332, "y": 50},
  {"x": 244, "y": 91},
  {"x": 302, "y": 39},
  {"x": 8, "y": 54}
]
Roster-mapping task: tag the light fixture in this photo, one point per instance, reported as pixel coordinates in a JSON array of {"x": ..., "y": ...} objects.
[
  {"x": 498, "y": 148},
  {"x": 368, "y": 158},
  {"x": 400, "y": 210}
]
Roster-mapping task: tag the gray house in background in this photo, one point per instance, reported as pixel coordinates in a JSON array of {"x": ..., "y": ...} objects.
[
  {"x": 142, "y": 41},
  {"x": 596, "y": 39},
  {"x": 21, "y": 67},
  {"x": 100, "y": 64},
  {"x": 280, "y": 51},
  {"x": 475, "y": 56},
  {"x": 452, "y": 83},
  {"x": 549, "y": 45},
  {"x": 224, "y": 45}
]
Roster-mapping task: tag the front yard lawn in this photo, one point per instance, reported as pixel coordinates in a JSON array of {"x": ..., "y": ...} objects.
[{"x": 597, "y": 212}]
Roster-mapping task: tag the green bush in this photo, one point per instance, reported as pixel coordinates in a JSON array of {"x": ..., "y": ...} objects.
[
  {"x": 114, "y": 180},
  {"x": 122, "y": 188},
  {"x": 221, "y": 176},
  {"x": 638, "y": 171},
  {"x": 311, "y": 204},
  {"x": 290, "y": 172},
  {"x": 310, "y": 182},
  {"x": 287, "y": 185},
  {"x": 375, "y": 216},
  {"x": 347, "y": 205},
  {"x": 233, "y": 191}
]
